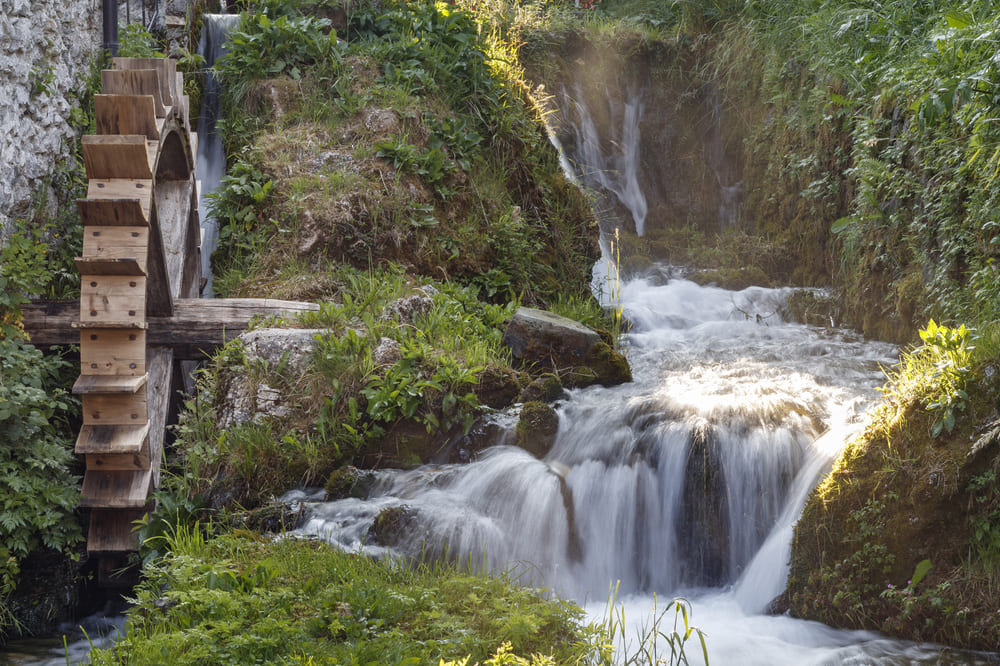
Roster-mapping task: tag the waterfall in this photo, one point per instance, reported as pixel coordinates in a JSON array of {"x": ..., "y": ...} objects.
[
  {"x": 686, "y": 481},
  {"x": 211, "y": 155},
  {"x": 606, "y": 158}
]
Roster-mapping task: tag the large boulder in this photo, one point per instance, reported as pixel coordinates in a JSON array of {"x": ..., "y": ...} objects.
[
  {"x": 545, "y": 338},
  {"x": 577, "y": 353},
  {"x": 281, "y": 351}
]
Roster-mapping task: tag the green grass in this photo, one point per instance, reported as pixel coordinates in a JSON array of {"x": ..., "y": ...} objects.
[{"x": 239, "y": 598}]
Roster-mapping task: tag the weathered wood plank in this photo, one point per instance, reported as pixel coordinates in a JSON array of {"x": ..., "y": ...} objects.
[
  {"x": 117, "y": 156},
  {"x": 173, "y": 198},
  {"x": 166, "y": 73},
  {"x": 110, "y": 301},
  {"x": 112, "y": 440},
  {"x": 113, "y": 352},
  {"x": 116, "y": 489},
  {"x": 120, "y": 461},
  {"x": 116, "y": 243},
  {"x": 159, "y": 390},
  {"x": 198, "y": 326},
  {"x": 111, "y": 531},
  {"x": 191, "y": 282},
  {"x": 122, "y": 266},
  {"x": 108, "y": 384},
  {"x": 183, "y": 102},
  {"x": 115, "y": 409},
  {"x": 126, "y": 114},
  {"x": 159, "y": 300},
  {"x": 135, "y": 82},
  {"x": 113, "y": 212},
  {"x": 119, "y": 188}
]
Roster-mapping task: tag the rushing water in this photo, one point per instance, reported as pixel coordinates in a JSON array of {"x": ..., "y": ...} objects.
[
  {"x": 211, "y": 165},
  {"x": 686, "y": 481},
  {"x": 608, "y": 160}
]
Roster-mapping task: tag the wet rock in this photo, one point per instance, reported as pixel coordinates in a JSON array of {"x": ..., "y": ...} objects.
[
  {"x": 493, "y": 429},
  {"x": 580, "y": 377},
  {"x": 271, "y": 518},
  {"x": 497, "y": 388},
  {"x": 537, "y": 428},
  {"x": 349, "y": 481},
  {"x": 604, "y": 366},
  {"x": 704, "y": 533},
  {"x": 610, "y": 367},
  {"x": 391, "y": 525},
  {"x": 547, "y": 339},
  {"x": 547, "y": 388},
  {"x": 577, "y": 353}
]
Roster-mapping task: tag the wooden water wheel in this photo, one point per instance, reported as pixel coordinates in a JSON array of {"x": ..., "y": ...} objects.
[
  {"x": 141, "y": 252},
  {"x": 139, "y": 312}
]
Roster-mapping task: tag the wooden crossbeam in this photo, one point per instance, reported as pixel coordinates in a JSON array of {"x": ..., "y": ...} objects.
[{"x": 198, "y": 326}]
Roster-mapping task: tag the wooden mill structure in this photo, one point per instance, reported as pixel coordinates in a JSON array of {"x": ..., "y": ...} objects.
[{"x": 139, "y": 312}]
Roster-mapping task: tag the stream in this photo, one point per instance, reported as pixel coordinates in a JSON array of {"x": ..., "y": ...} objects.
[{"x": 685, "y": 482}]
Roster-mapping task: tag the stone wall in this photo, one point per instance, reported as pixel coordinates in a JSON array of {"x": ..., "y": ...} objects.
[{"x": 45, "y": 49}]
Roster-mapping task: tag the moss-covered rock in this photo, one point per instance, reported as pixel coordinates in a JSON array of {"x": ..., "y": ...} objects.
[
  {"x": 897, "y": 501},
  {"x": 537, "y": 428},
  {"x": 547, "y": 388},
  {"x": 498, "y": 387},
  {"x": 731, "y": 278},
  {"x": 391, "y": 524},
  {"x": 611, "y": 368},
  {"x": 349, "y": 481}
]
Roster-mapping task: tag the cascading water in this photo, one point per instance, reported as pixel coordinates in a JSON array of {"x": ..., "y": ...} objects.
[
  {"x": 613, "y": 170},
  {"x": 211, "y": 166},
  {"x": 685, "y": 481}
]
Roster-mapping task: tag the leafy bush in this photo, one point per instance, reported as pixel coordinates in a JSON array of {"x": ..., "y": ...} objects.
[
  {"x": 38, "y": 494},
  {"x": 936, "y": 374},
  {"x": 236, "y": 205},
  {"x": 262, "y": 47}
]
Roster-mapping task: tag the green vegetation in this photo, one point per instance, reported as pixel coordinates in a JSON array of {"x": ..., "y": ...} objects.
[
  {"x": 353, "y": 404},
  {"x": 864, "y": 135},
  {"x": 39, "y": 488},
  {"x": 903, "y": 535},
  {"x": 424, "y": 151},
  {"x": 242, "y": 598}
]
